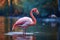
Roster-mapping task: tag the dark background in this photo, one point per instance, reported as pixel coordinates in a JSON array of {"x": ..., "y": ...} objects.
[{"x": 45, "y": 7}]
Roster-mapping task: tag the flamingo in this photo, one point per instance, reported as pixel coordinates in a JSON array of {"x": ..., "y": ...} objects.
[{"x": 25, "y": 22}]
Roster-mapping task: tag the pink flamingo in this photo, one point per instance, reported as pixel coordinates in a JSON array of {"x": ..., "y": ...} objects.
[{"x": 25, "y": 22}]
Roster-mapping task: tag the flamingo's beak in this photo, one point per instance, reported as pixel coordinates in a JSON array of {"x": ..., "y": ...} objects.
[{"x": 37, "y": 12}]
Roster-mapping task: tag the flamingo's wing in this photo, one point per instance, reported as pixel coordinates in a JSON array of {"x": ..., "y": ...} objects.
[
  {"x": 27, "y": 21},
  {"x": 19, "y": 24},
  {"x": 23, "y": 22}
]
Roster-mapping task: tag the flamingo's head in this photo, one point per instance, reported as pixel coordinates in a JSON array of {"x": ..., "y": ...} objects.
[{"x": 35, "y": 10}]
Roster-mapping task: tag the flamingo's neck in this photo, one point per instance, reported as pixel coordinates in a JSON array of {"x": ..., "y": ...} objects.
[{"x": 33, "y": 18}]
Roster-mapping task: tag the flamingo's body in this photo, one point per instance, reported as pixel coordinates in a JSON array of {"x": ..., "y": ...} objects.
[{"x": 25, "y": 22}]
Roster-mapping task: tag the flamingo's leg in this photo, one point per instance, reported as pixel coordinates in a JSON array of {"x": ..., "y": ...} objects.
[{"x": 24, "y": 33}]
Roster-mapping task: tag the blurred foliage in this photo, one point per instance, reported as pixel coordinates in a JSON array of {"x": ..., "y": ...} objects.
[
  {"x": 4, "y": 8},
  {"x": 45, "y": 7}
]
